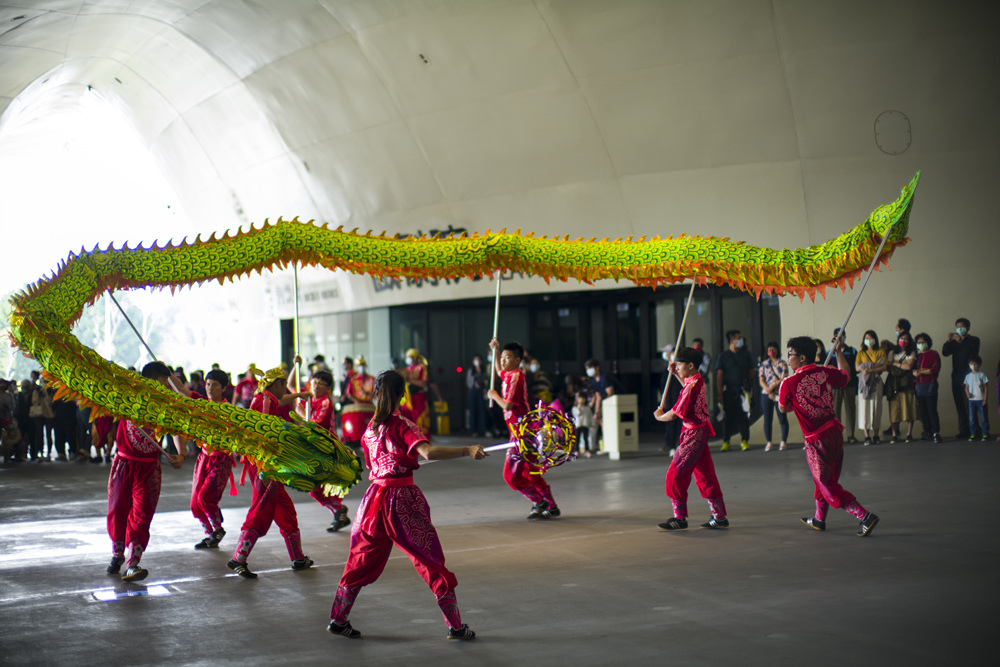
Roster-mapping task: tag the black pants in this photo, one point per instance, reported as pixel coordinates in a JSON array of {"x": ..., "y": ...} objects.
[
  {"x": 736, "y": 419},
  {"x": 962, "y": 407},
  {"x": 929, "y": 413}
]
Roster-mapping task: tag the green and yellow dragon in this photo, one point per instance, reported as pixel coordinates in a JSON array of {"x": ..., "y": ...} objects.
[{"x": 304, "y": 456}]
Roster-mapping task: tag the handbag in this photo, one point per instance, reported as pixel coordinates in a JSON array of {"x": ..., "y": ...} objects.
[{"x": 35, "y": 411}]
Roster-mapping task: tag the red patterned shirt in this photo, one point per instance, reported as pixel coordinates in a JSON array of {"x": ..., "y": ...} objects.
[
  {"x": 515, "y": 391},
  {"x": 809, "y": 393},
  {"x": 391, "y": 447},
  {"x": 132, "y": 444},
  {"x": 692, "y": 406},
  {"x": 321, "y": 412},
  {"x": 268, "y": 404}
]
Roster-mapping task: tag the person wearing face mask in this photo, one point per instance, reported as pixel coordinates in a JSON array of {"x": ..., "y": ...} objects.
[
  {"x": 414, "y": 405},
  {"x": 358, "y": 406},
  {"x": 772, "y": 371},
  {"x": 348, "y": 368},
  {"x": 902, "y": 400},
  {"x": 539, "y": 384},
  {"x": 734, "y": 372},
  {"x": 925, "y": 374},
  {"x": 602, "y": 385},
  {"x": 902, "y": 327},
  {"x": 475, "y": 382},
  {"x": 870, "y": 364},
  {"x": 960, "y": 346},
  {"x": 845, "y": 401},
  {"x": 706, "y": 359},
  {"x": 976, "y": 388}
]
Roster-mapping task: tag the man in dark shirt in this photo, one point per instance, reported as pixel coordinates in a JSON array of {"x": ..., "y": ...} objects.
[
  {"x": 846, "y": 399},
  {"x": 733, "y": 373},
  {"x": 960, "y": 346}
]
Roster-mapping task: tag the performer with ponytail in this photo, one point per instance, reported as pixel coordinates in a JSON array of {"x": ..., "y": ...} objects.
[
  {"x": 394, "y": 511},
  {"x": 270, "y": 502},
  {"x": 211, "y": 472}
]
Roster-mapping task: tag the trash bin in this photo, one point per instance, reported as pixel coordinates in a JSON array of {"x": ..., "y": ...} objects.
[
  {"x": 443, "y": 420},
  {"x": 620, "y": 424}
]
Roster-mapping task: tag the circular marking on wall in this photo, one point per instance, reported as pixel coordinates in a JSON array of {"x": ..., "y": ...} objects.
[{"x": 892, "y": 132}]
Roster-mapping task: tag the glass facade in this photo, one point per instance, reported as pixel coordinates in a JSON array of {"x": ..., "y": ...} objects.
[{"x": 624, "y": 330}]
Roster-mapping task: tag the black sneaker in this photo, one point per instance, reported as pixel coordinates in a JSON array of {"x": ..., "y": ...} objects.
[
  {"x": 116, "y": 564},
  {"x": 876, "y": 441},
  {"x": 814, "y": 523},
  {"x": 937, "y": 438},
  {"x": 673, "y": 523},
  {"x": 867, "y": 524},
  {"x": 868, "y": 441},
  {"x": 716, "y": 523},
  {"x": 206, "y": 543},
  {"x": 303, "y": 563},
  {"x": 344, "y": 630},
  {"x": 340, "y": 520},
  {"x": 552, "y": 511},
  {"x": 536, "y": 513},
  {"x": 135, "y": 573},
  {"x": 216, "y": 538},
  {"x": 241, "y": 569},
  {"x": 463, "y": 633}
]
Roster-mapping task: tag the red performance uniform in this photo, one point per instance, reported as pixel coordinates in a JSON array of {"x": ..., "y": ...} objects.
[
  {"x": 415, "y": 407},
  {"x": 520, "y": 475},
  {"x": 692, "y": 456},
  {"x": 809, "y": 393},
  {"x": 211, "y": 472},
  {"x": 270, "y": 502},
  {"x": 358, "y": 410},
  {"x": 321, "y": 413},
  {"x": 101, "y": 428},
  {"x": 394, "y": 511},
  {"x": 133, "y": 491}
]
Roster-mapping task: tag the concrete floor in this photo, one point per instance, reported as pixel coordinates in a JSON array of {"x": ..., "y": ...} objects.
[{"x": 599, "y": 586}]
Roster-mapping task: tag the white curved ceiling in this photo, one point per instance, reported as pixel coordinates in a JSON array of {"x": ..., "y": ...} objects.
[{"x": 741, "y": 118}]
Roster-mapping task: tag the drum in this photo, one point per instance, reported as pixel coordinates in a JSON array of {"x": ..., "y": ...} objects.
[{"x": 354, "y": 420}]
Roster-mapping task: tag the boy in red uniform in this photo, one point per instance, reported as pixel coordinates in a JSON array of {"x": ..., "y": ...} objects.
[
  {"x": 270, "y": 502},
  {"x": 212, "y": 470},
  {"x": 692, "y": 456},
  {"x": 809, "y": 392},
  {"x": 394, "y": 511},
  {"x": 519, "y": 474},
  {"x": 321, "y": 413},
  {"x": 134, "y": 483}
]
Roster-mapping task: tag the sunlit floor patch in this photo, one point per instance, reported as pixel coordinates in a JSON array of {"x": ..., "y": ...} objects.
[{"x": 113, "y": 595}]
